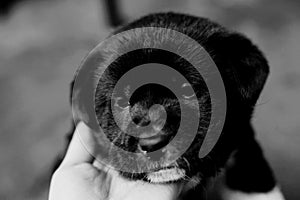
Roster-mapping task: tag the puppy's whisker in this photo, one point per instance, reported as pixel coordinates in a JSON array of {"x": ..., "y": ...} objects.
[{"x": 187, "y": 162}]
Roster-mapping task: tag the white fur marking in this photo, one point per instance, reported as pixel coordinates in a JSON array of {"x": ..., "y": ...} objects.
[{"x": 166, "y": 175}]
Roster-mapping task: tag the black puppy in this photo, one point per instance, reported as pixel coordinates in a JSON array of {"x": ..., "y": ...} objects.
[{"x": 244, "y": 70}]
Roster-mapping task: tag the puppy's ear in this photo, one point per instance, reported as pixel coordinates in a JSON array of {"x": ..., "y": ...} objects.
[{"x": 243, "y": 63}]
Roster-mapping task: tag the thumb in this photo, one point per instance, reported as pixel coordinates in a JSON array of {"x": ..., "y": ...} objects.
[{"x": 81, "y": 148}]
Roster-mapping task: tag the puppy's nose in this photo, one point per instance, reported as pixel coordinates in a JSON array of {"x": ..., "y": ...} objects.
[
  {"x": 141, "y": 120},
  {"x": 142, "y": 116}
]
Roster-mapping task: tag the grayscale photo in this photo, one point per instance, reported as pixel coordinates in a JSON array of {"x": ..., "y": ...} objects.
[{"x": 150, "y": 100}]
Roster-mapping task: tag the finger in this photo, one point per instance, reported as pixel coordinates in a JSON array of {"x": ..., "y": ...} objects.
[{"x": 78, "y": 151}]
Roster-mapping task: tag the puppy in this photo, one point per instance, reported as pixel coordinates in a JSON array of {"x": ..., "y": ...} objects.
[{"x": 237, "y": 155}]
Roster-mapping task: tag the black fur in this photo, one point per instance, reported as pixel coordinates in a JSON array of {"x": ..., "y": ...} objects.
[{"x": 244, "y": 70}]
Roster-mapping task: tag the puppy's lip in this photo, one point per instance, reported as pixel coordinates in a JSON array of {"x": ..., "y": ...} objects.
[{"x": 150, "y": 140}]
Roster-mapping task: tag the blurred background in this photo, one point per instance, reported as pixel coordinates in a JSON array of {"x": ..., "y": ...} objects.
[{"x": 43, "y": 42}]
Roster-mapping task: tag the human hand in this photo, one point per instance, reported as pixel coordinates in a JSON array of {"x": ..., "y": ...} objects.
[{"x": 80, "y": 177}]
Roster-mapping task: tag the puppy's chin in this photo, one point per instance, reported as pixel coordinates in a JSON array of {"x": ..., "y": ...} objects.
[{"x": 166, "y": 175}]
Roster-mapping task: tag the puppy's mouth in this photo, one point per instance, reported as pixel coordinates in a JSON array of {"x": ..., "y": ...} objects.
[
  {"x": 153, "y": 142},
  {"x": 163, "y": 174}
]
